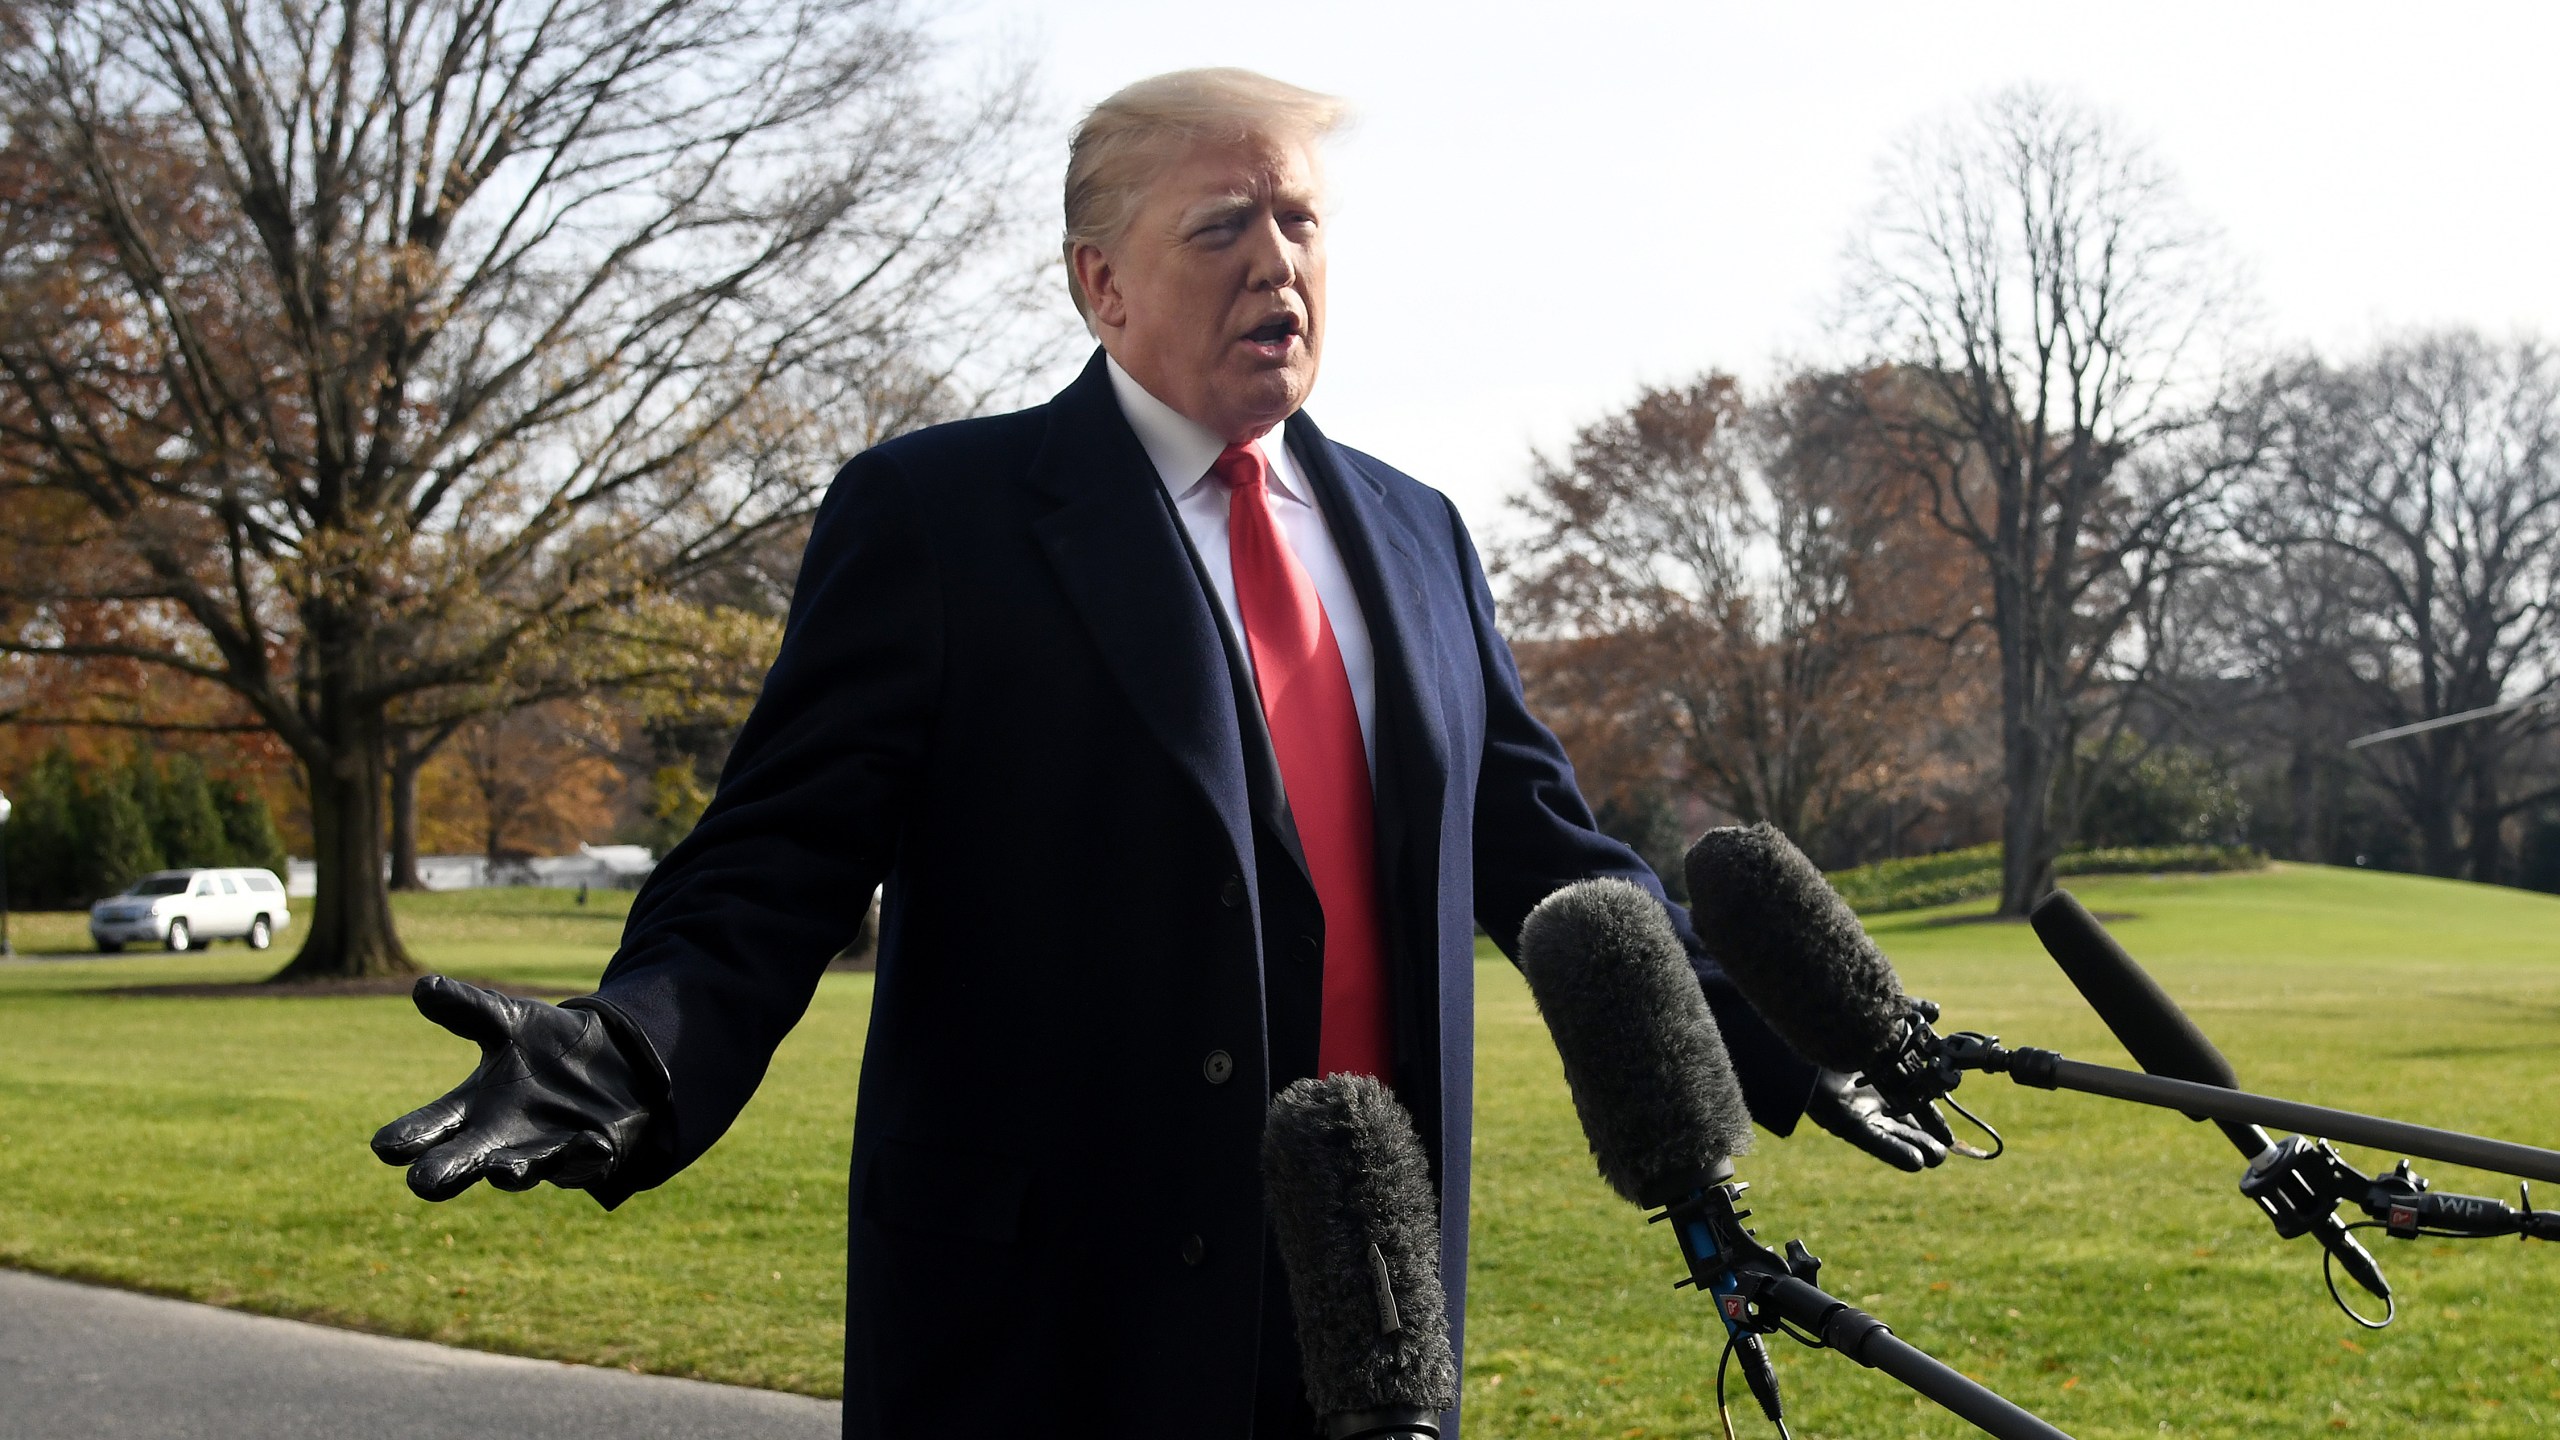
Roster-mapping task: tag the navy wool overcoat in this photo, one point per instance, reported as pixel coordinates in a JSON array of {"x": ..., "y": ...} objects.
[{"x": 1005, "y": 693}]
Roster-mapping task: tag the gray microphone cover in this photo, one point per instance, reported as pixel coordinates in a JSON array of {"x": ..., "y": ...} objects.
[
  {"x": 1642, "y": 1054},
  {"x": 1359, "y": 1230},
  {"x": 1795, "y": 949}
]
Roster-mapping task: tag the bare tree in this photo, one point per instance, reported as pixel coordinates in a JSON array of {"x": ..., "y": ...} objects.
[
  {"x": 2035, "y": 278},
  {"x": 418, "y": 340},
  {"x": 2417, "y": 494},
  {"x": 2279, "y": 634}
]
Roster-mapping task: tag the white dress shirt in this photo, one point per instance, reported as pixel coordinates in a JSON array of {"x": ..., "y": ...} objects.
[{"x": 1183, "y": 449}]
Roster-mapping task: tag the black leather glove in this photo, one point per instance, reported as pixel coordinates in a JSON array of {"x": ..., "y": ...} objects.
[
  {"x": 1857, "y": 1114},
  {"x": 559, "y": 1096}
]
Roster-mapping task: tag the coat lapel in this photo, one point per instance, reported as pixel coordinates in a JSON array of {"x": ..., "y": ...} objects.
[
  {"x": 1125, "y": 567},
  {"x": 1384, "y": 559}
]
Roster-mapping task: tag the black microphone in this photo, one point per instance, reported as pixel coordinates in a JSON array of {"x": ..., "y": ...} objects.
[
  {"x": 1662, "y": 1109},
  {"x": 2150, "y": 1026},
  {"x": 1796, "y": 951},
  {"x": 1359, "y": 1229},
  {"x": 2163, "y": 1041}
]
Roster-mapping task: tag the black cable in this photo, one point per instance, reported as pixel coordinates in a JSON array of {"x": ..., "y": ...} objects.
[
  {"x": 2329, "y": 1273},
  {"x": 1998, "y": 1145},
  {"x": 1723, "y": 1412}
]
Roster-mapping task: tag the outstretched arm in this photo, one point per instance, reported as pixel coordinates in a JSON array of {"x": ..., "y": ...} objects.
[
  {"x": 727, "y": 940},
  {"x": 616, "y": 1092}
]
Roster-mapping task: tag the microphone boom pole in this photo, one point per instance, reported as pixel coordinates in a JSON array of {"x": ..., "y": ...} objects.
[{"x": 2046, "y": 1069}]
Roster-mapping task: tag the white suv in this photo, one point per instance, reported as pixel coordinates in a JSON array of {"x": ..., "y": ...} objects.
[{"x": 190, "y": 909}]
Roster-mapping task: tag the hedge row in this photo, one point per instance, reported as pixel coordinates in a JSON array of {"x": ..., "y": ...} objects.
[{"x": 1973, "y": 874}]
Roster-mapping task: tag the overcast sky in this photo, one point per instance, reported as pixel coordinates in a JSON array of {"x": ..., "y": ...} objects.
[{"x": 1545, "y": 205}]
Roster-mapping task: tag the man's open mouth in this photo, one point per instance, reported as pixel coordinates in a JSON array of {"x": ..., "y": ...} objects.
[{"x": 1274, "y": 332}]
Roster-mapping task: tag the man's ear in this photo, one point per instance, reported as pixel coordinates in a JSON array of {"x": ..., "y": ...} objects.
[{"x": 1099, "y": 279}]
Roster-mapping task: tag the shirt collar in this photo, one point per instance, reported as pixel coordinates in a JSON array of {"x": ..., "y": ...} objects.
[{"x": 1183, "y": 449}]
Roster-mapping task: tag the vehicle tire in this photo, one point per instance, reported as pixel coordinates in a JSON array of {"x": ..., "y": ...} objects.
[
  {"x": 261, "y": 934},
  {"x": 110, "y": 947},
  {"x": 180, "y": 937}
]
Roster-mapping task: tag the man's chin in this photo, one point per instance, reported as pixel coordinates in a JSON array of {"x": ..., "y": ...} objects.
[{"x": 1265, "y": 398}]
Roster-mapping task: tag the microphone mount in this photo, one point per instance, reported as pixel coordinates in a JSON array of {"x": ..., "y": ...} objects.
[
  {"x": 1759, "y": 1291},
  {"x": 1920, "y": 1071},
  {"x": 2299, "y": 1183}
]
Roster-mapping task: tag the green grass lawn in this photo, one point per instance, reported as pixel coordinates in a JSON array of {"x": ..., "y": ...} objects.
[
  {"x": 2104, "y": 1273},
  {"x": 215, "y": 1149}
]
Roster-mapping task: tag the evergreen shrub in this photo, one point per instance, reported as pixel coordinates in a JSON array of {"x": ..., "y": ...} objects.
[{"x": 80, "y": 832}]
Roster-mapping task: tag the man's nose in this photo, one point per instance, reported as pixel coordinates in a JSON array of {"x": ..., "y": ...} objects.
[{"x": 1274, "y": 259}]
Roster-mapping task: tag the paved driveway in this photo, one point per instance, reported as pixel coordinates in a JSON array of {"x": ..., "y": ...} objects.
[{"x": 78, "y": 1361}]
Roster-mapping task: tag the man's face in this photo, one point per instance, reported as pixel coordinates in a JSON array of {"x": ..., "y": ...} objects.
[{"x": 1214, "y": 297}]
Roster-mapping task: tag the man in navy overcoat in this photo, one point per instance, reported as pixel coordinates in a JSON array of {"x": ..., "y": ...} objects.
[{"x": 1015, "y": 690}]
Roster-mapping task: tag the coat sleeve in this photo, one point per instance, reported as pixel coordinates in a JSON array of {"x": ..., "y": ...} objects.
[
  {"x": 1534, "y": 834},
  {"x": 728, "y": 937}
]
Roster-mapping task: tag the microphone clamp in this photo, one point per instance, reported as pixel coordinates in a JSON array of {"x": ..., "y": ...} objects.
[
  {"x": 2298, "y": 1180},
  {"x": 1921, "y": 1070},
  {"x": 1725, "y": 1261}
]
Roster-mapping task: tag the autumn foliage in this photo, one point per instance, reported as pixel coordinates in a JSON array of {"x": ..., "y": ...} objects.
[
  {"x": 371, "y": 373},
  {"x": 1738, "y": 608}
]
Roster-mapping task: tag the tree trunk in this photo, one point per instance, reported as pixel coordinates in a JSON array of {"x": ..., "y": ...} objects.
[
  {"x": 2431, "y": 807},
  {"x": 2027, "y": 842},
  {"x": 2303, "y": 794},
  {"x": 351, "y": 935},
  {"x": 2488, "y": 822},
  {"x": 405, "y": 764},
  {"x": 2437, "y": 853},
  {"x": 2027, "y": 757},
  {"x": 410, "y": 751}
]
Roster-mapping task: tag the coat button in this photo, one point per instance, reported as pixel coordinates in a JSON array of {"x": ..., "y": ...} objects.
[
  {"x": 1219, "y": 1067},
  {"x": 1194, "y": 1250},
  {"x": 1309, "y": 950},
  {"x": 1231, "y": 894}
]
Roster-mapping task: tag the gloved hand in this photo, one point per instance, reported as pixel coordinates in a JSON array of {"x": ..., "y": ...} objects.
[
  {"x": 555, "y": 1097},
  {"x": 1857, "y": 1114}
]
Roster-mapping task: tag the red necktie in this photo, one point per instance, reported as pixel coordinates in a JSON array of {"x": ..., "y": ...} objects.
[{"x": 1315, "y": 731}]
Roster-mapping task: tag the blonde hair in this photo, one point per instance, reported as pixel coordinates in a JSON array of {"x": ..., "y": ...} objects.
[{"x": 1108, "y": 162}]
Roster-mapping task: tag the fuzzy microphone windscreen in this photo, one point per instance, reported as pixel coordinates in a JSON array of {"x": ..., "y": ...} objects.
[
  {"x": 1642, "y": 1054},
  {"x": 1794, "y": 949},
  {"x": 1359, "y": 1228}
]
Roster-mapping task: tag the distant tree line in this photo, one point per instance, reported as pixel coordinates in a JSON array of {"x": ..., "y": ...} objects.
[
  {"x": 2050, "y": 563},
  {"x": 2394, "y": 559},
  {"x": 79, "y": 832}
]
